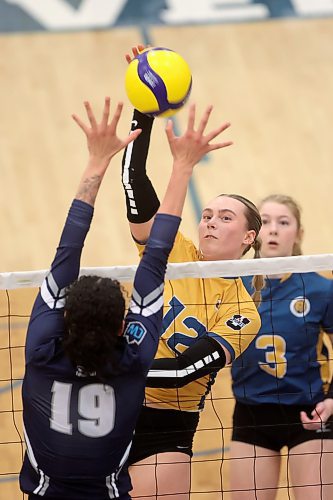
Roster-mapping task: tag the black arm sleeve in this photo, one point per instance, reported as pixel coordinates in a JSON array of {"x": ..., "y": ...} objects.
[
  {"x": 141, "y": 200},
  {"x": 204, "y": 357}
]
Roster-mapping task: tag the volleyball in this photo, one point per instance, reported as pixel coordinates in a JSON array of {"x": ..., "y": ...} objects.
[{"x": 158, "y": 82}]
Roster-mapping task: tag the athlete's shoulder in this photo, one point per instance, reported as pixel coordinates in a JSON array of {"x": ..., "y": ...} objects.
[
  {"x": 323, "y": 277},
  {"x": 238, "y": 298},
  {"x": 183, "y": 250},
  {"x": 319, "y": 282}
]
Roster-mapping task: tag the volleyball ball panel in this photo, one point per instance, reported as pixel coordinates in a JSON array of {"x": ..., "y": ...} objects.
[
  {"x": 174, "y": 71},
  {"x": 158, "y": 81},
  {"x": 139, "y": 94}
]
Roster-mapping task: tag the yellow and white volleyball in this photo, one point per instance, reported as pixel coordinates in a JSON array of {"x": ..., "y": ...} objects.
[{"x": 158, "y": 82}]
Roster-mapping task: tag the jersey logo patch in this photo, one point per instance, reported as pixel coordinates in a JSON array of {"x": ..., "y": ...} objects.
[
  {"x": 300, "y": 307},
  {"x": 135, "y": 332},
  {"x": 237, "y": 322}
]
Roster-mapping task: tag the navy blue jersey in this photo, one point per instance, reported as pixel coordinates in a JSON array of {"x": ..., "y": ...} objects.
[
  {"x": 281, "y": 364},
  {"x": 78, "y": 430}
]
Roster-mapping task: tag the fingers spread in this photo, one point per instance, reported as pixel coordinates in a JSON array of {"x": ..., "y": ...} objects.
[
  {"x": 106, "y": 112},
  {"x": 220, "y": 145},
  {"x": 90, "y": 114},
  {"x": 191, "y": 118},
  {"x": 116, "y": 116},
  {"x": 169, "y": 130},
  {"x": 80, "y": 123},
  {"x": 214, "y": 133},
  {"x": 204, "y": 120}
]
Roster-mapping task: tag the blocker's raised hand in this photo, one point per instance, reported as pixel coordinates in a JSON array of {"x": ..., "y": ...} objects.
[
  {"x": 190, "y": 147},
  {"x": 103, "y": 142}
]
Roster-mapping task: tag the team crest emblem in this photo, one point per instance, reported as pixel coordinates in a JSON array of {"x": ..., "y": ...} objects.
[
  {"x": 135, "y": 332},
  {"x": 237, "y": 322},
  {"x": 300, "y": 307}
]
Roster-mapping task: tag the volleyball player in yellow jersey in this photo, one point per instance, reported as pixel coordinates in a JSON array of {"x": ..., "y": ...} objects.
[
  {"x": 207, "y": 322},
  {"x": 194, "y": 307}
]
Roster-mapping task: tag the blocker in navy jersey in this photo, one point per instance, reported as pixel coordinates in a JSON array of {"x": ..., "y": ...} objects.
[
  {"x": 79, "y": 430},
  {"x": 281, "y": 363}
]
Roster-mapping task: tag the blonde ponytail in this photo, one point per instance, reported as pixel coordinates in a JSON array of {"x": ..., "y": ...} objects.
[{"x": 258, "y": 281}]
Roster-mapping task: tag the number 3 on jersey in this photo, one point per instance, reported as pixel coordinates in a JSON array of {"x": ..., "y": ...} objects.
[
  {"x": 275, "y": 360},
  {"x": 95, "y": 403}
]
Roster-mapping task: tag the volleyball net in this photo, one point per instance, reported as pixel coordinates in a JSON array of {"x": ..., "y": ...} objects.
[{"x": 211, "y": 462}]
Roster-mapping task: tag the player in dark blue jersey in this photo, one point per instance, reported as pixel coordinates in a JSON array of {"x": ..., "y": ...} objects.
[
  {"x": 86, "y": 364},
  {"x": 278, "y": 382}
]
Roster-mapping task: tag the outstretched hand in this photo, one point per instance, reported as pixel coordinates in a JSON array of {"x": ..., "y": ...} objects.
[
  {"x": 319, "y": 416},
  {"x": 103, "y": 142},
  {"x": 193, "y": 145},
  {"x": 187, "y": 150}
]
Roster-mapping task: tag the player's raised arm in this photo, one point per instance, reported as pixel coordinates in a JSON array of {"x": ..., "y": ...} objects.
[
  {"x": 187, "y": 150},
  {"x": 103, "y": 143},
  {"x": 141, "y": 199}
]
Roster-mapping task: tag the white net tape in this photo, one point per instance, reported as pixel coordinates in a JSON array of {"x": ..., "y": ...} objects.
[{"x": 211, "y": 269}]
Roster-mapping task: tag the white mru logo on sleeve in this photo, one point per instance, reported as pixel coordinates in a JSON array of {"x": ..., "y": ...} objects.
[{"x": 135, "y": 332}]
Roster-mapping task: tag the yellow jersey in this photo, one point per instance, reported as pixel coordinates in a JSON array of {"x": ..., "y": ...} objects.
[{"x": 219, "y": 307}]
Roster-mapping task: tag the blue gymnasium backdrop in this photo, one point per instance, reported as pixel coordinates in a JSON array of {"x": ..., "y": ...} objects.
[{"x": 63, "y": 15}]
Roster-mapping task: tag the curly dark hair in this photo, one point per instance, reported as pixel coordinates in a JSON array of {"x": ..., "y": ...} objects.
[{"x": 94, "y": 313}]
